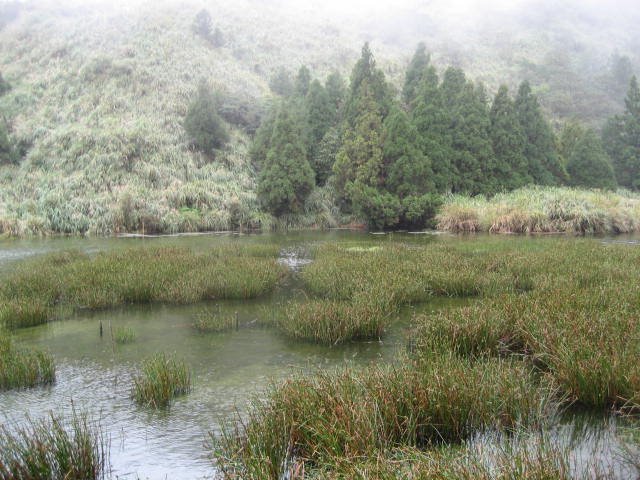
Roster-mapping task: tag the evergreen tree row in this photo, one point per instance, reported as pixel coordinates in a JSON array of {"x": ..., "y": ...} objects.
[{"x": 388, "y": 157}]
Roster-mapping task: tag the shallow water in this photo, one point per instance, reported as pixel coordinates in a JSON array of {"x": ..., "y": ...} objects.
[{"x": 95, "y": 375}]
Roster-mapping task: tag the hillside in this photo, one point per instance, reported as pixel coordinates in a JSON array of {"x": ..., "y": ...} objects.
[{"x": 100, "y": 91}]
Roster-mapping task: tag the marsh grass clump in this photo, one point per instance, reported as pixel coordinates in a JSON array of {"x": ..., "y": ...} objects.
[
  {"x": 333, "y": 322},
  {"x": 23, "y": 368},
  {"x": 344, "y": 416},
  {"x": 214, "y": 320},
  {"x": 39, "y": 288},
  {"x": 568, "y": 325},
  {"x": 162, "y": 378},
  {"x": 54, "y": 448},
  {"x": 124, "y": 335}
]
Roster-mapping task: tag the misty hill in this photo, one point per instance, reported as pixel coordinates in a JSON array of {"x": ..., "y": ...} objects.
[{"x": 99, "y": 91}]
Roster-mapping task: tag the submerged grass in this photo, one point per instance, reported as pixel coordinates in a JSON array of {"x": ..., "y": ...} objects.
[
  {"x": 162, "y": 379},
  {"x": 124, "y": 335},
  {"x": 54, "y": 448},
  {"x": 214, "y": 320},
  {"x": 36, "y": 290},
  {"x": 23, "y": 368}
]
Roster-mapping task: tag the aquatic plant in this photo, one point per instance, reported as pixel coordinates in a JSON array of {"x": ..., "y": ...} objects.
[
  {"x": 124, "y": 335},
  {"x": 23, "y": 368},
  {"x": 210, "y": 320},
  {"x": 333, "y": 322},
  {"x": 38, "y": 289},
  {"x": 54, "y": 448},
  {"x": 343, "y": 416},
  {"x": 162, "y": 378}
]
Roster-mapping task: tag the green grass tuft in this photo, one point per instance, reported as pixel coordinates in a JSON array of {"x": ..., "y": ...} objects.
[
  {"x": 124, "y": 335},
  {"x": 162, "y": 379},
  {"x": 23, "y": 368},
  {"x": 54, "y": 448}
]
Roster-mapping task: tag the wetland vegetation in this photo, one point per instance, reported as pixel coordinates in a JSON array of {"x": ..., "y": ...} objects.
[
  {"x": 54, "y": 448},
  {"x": 548, "y": 328}
]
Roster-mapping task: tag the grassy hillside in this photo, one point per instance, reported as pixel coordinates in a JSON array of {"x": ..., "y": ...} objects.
[{"x": 100, "y": 92}]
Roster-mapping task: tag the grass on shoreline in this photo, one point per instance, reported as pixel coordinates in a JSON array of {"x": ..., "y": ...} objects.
[
  {"x": 543, "y": 210},
  {"x": 36, "y": 290}
]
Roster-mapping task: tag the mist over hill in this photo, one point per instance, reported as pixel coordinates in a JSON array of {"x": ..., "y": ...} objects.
[{"x": 100, "y": 90}]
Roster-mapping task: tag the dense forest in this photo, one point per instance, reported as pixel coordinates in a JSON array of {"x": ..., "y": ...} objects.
[{"x": 184, "y": 118}]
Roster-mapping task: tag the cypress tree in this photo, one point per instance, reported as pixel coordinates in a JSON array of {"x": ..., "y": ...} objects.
[
  {"x": 415, "y": 73},
  {"x": 589, "y": 165},
  {"x": 336, "y": 90},
  {"x": 570, "y": 136},
  {"x": 320, "y": 116},
  {"x": 621, "y": 137},
  {"x": 365, "y": 76},
  {"x": 360, "y": 156},
  {"x": 510, "y": 167},
  {"x": 471, "y": 143},
  {"x": 303, "y": 81},
  {"x": 203, "y": 125},
  {"x": 262, "y": 140},
  {"x": 430, "y": 119},
  {"x": 280, "y": 82},
  {"x": 407, "y": 170},
  {"x": 286, "y": 178},
  {"x": 544, "y": 164},
  {"x": 325, "y": 155}
]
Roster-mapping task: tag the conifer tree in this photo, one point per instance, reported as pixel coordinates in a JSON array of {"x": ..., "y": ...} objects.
[
  {"x": 430, "y": 119},
  {"x": 359, "y": 159},
  {"x": 366, "y": 76},
  {"x": 510, "y": 168},
  {"x": 544, "y": 164},
  {"x": 262, "y": 139},
  {"x": 621, "y": 137},
  {"x": 325, "y": 155},
  {"x": 286, "y": 178},
  {"x": 202, "y": 24},
  {"x": 336, "y": 90},
  {"x": 302, "y": 83},
  {"x": 589, "y": 165},
  {"x": 204, "y": 127},
  {"x": 472, "y": 154},
  {"x": 570, "y": 136},
  {"x": 280, "y": 82},
  {"x": 415, "y": 73},
  {"x": 407, "y": 170},
  {"x": 320, "y": 116}
]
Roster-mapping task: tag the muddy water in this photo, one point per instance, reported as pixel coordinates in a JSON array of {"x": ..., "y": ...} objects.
[{"x": 95, "y": 375}]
